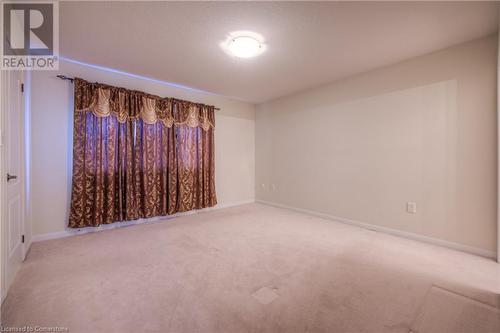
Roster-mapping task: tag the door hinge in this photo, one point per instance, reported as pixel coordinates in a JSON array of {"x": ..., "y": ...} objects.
[
  {"x": 22, "y": 239},
  {"x": 22, "y": 87}
]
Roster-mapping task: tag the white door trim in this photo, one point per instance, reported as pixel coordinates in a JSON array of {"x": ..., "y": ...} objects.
[
  {"x": 2, "y": 187},
  {"x": 498, "y": 147},
  {"x": 28, "y": 232}
]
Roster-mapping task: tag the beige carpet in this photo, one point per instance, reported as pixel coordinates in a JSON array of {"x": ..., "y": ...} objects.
[{"x": 252, "y": 268}]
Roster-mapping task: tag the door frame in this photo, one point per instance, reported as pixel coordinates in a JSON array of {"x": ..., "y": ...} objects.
[{"x": 498, "y": 147}]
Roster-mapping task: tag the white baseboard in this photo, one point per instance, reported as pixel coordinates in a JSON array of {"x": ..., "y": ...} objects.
[
  {"x": 73, "y": 232},
  {"x": 395, "y": 232}
]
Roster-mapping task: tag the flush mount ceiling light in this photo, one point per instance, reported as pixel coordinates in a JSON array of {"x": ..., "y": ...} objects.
[{"x": 243, "y": 45}]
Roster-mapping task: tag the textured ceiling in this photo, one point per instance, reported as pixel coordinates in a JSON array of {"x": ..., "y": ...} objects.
[{"x": 308, "y": 43}]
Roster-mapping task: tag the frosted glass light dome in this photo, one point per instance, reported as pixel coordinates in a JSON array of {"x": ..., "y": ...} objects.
[{"x": 244, "y": 47}]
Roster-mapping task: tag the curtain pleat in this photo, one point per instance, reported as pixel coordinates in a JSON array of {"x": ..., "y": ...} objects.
[{"x": 136, "y": 155}]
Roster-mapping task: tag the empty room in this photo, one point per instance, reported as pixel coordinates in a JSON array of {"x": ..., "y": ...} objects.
[{"x": 233, "y": 167}]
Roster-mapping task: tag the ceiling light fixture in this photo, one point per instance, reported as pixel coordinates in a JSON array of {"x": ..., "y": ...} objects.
[{"x": 243, "y": 44}]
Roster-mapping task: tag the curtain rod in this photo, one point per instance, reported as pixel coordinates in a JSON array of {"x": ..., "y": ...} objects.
[{"x": 64, "y": 77}]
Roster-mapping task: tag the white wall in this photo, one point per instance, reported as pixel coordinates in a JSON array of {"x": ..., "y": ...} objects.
[
  {"x": 51, "y": 139},
  {"x": 423, "y": 130}
]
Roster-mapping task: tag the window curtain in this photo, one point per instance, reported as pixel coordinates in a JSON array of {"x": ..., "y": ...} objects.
[{"x": 137, "y": 155}]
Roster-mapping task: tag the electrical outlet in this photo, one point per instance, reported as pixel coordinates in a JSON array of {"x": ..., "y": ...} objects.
[{"x": 411, "y": 207}]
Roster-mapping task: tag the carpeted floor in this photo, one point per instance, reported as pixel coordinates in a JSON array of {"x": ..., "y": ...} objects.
[{"x": 252, "y": 268}]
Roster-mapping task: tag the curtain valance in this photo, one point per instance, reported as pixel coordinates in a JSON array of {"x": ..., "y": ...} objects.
[{"x": 103, "y": 100}]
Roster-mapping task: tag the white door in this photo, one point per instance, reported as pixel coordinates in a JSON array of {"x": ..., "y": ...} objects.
[{"x": 12, "y": 177}]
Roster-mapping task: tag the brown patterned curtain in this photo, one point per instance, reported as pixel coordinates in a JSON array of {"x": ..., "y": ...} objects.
[{"x": 137, "y": 155}]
